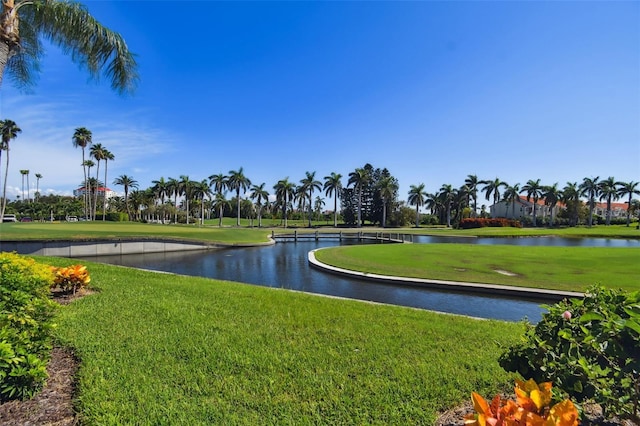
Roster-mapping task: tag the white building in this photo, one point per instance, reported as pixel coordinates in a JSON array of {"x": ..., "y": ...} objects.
[
  {"x": 80, "y": 192},
  {"x": 523, "y": 208}
]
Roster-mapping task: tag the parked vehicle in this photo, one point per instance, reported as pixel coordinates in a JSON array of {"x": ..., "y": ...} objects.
[
  {"x": 26, "y": 219},
  {"x": 9, "y": 218},
  {"x": 72, "y": 218}
]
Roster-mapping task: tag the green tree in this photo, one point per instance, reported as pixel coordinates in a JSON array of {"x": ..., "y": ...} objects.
[
  {"x": 417, "y": 197},
  {"x": 97, "y": 152},
  {"x": 219, "y": 184},
  {"x": 627, "y": 189},
  {"x": 359, "y": 178},
  {"x": 66, "y": 24},
  {"x": 259, "y": 194},
  {"x": 38, "y": 177},
  {"x": 591, "y": 189},
  {"x": 332, "y": 186},
  {"x": 534, "y": 191},
  {"x": 82, "y": 138},
  {"x": 24, "y": 173},
  {"x": 284, "y": 191},
  {"x": 9, "y": 130},
  {"x": 219, "y": 203},
  {"x": 107, "y": 156},
  {"x": 552, "y": 195},
  {"x": 185, "y": 188},
  {"x": 127, "y": 182},
  {"x": 238, "y": 181},
  {"x": 160, "y": 189},
  {"x": 571, "y": 199},
  {"x": 201, "y": 190},
  {"x": 173, "y": 188},
  {"x": 609, "y": 192},
  {"x": 492, "y": 187},
  {"x": 472, "y": 183},
  {"x": 511, "y": 195},
  {"x": 388, "y": 187},
  {"x": 309, "y": 184}
]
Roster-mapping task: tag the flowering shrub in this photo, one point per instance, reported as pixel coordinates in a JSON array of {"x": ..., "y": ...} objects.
[
  {"x": 589, "y": 348},
  {"x": 70, "y": 278},
  {"x": 531, "y": 408},
  {"x": 471, "y": 222},
  {"x": 26, "y": 322}
]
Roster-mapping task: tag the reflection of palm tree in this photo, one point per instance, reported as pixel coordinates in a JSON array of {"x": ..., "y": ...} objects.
[
  {"x": 259, "y": 194},
  {"x": 238, "y": 181},
  {"x": 69, "y": 26},
  {"x": 533, "y": 190},
  {"x": 309, "y": 183},
  {"x": 630, "y": 189},
  {"x": 332, "y": 185},
  {"x": 608, "y": 192},
  {"x": 359, "y": 178},
  {"x": 417, "y": 197},
  {"x": 127, "y": 182},
  {"x": 590, "y": 188},
  {"x": 285, "y": 191},
  {"x": 387, "y": 186},
  {"x": 82, "y": 138}
]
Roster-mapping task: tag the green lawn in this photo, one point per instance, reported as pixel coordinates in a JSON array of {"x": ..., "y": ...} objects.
[
  {"x": 558, "y": 268},
  {"x": 164, "y": 349}
]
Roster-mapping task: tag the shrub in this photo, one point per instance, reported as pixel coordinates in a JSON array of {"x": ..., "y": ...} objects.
[
  {"x": 486, "y": 222},
  {"x": 70, "y": 278},
  {"x": 26, "y": 314},
  {"x": 589, "y": 348}
]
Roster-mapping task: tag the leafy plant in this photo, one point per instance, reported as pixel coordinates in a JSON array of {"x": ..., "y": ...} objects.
[
  {"x": 26, "y": 314},
  {"x": 589, "y": 348},
  {"x": 70, "y": 278},
  {"x": 531, "y": 408}
]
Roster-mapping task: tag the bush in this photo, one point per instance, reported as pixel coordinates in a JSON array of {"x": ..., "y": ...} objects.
[
  {"x": 26, "y": 314},
  {"x": 470, "y": 223},
  {"x": 589, "y": 348}
]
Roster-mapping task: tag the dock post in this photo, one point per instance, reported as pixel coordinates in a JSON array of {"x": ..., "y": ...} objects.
[
  {"x": 316, "y": 235},
  {"x": 340, "y": 236},
  {"x": 295, "y": 235}
]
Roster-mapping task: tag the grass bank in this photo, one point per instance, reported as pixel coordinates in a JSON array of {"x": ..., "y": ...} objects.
[
  {"x": 557, "y": 268},
  {"x": 166, "y": 349}
]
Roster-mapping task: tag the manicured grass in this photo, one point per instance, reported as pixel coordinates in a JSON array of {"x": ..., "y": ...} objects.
[
  {"x": 600, "y": 231},
  {"x": 559, "y": 268},
  {"x": 164, "y": 349},
  {"x": 98, "y": 229}
]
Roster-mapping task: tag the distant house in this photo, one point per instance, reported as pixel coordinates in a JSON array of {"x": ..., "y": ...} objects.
[
  {"x": 618, "y": 210},
  {"x": 523, "y": 208},
  {"x": 80, "y": 192}
]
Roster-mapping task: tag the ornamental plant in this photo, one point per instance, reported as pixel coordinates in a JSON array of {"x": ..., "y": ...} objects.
[
  {"x": 531, "y": 408},
  {"x": 26, "y": 324},
  {"x": 589, "y": 348},
  {"x": 70, "y": 278}
]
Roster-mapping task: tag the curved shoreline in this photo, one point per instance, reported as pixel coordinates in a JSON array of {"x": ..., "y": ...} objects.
[{"x": 493, "y": 289}]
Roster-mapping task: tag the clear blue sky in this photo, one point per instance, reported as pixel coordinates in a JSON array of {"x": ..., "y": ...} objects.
[{"x": 433, "y": 91}]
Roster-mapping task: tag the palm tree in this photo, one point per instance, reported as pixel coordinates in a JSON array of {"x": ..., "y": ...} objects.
[
  {"x": 219, "y": 184},
  {"x": 417, "y": 196},
  {"x": 219, "y": 203},
  {"x": 533, "y": 190},
  {"x": 8, "y": 130},
  {"x": 284, "y": 191},
  {"x": 173, "y": 188},
  {"x": 309, "y": 183},
  {"x": 359, "y": 178},
  {"x": 318, "y": 204},
  {"x": 160, "y": 189},
  {"x": 511, "y": 195},
  {"x": 446, "y": 194},
  {"x": 591, "y": 189},
  {"x": 259, "y": 194},
  {"x": 201, "y": 190},
  {"x": 571, "y": 199},
  {"x": 609, "y": 192},
  {"x": 107, "y": 156},
  {"x": 127, "y": 182},
  {"x": 82, "y": 138},
  {"x": 24, "y": 173},
  {"x": 238, "y": 181},
  {"x": 472, "y": 183},
  {"x": 332, "y": 186},
  {"x": 38, "y": 177},
  {"x": 493, "y": 187},
  {"x": 69, "y": 26},
  {"x": 551, "y": 194},
  {"x": 630, "y": 189},
  {"x": 88, "y": 189},
  {"x": 97, "y": 152},
  {"x": 185, "y": 189},
  {"x": 388, "y": 186}
]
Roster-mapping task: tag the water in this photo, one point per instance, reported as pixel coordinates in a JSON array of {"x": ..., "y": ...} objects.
[{"x": 285, "y": 265}]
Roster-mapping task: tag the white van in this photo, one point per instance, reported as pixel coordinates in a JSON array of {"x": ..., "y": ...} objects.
[
  {"x": 72, "y": 218},
  {"x": 9, "y": 218}
]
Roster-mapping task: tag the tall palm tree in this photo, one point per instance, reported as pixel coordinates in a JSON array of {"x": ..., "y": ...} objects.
[
  {"x": 82, "y": 137},
  {"x": 219, "y": 203},
  {"x": 219, "y": 184},
  {"x": 88, "y": 189},
  {"x": 446, "y": 194},
  {"x": 551, "y": 194},
  {"x": 318, "y": 204},
  {"x": 534, "y": 191},
  {"x": 591, "y": 189},
  {"x": 238, "y": 181},
  {"x": 8, "y": 130},
  {"x": 97, "y": 153},
  {"x": 492, "y": 187},
  {"x": 38, "y": 177},
  {"x": 24, "y": 173},
  {"x": 511, "y": 195},
  {"x": 127, "y": 182},
  {"x": 388, "y": 186},
  {"x": 571, "y": 199},
  {"x": 630, "y": 189},
  {"x": 173, "y": 188},
  {"x": 472, "y": 183},
  {"x": 332, "y": 186},
  {"x": 609, "y": 192},
  {"x": 309, "y": 183},
  {"x": 284, "y": 191},
  {"x": 417, "y": 196},
  {"x": 259, "y": 194},
  {"x": 66, "y": 24},
  {"x": 107, "y": 156},
  {"x": 201, "y": 190},
  {"x": 160, "y": 189},
  {"x": 359, "y": 178}
]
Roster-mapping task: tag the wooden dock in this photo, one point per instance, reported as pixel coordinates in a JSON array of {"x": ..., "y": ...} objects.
[{"x": 391, "y": 237}]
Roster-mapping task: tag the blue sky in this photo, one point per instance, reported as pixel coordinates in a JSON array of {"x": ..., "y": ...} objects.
[{"x": 433, "y": 91}]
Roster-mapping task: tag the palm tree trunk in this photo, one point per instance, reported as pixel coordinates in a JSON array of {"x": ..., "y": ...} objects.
[
  {"x": 4, "y": 186},
  {"x": 104, "y": 198},
  {"x": 4, "y": 57},
  {"x": 335, "y": 209},
  {"x": 384, "y": 214}
]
